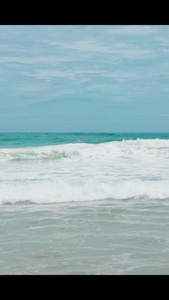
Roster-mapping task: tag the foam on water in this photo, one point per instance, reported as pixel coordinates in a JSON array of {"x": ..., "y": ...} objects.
[
  {"x": 130, "y": 148},
  {"x": 49, "y": 192},
  {"x": 96, "y": 205},
  {"x": 84, "y": 172}
]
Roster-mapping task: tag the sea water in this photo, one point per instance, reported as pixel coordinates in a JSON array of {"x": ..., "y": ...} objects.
[{"x": 78, "y": 203}]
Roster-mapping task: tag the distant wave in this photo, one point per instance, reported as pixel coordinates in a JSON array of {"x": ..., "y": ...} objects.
[{"x": 118, "y": 149}]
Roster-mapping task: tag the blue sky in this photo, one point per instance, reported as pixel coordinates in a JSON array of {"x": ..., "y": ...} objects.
[{"x": 84, "y": 78}]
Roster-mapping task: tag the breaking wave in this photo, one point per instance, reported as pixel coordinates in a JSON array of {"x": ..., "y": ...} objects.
[
  {"x": 118, "y": 149},
  {"x": 62, "y": 191},
  {"x": 85, "y": 172}
]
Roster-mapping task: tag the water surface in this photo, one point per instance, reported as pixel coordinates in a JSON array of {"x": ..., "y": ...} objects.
[{"x": 84, "y": 203}]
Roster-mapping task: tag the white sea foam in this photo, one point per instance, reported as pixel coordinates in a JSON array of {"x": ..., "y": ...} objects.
[
  {"x": 49, "y": 192},
  {"x": 125, "y": 148},
  {"x": 84, "y": 172}
]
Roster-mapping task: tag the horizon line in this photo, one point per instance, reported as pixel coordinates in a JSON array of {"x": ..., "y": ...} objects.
[{"x": 82, "y": 132}]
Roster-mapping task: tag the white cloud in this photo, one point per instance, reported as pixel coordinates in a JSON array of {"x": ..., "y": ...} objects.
[
  {"x": 118, "y": 49},
  {"x": 131, "y": 29},
  {"x": 104, "y": 87},
  {"x": 73, "y": 74},
  {"x": 46, "y": 74},
  {"x": 46, "y": 59}
]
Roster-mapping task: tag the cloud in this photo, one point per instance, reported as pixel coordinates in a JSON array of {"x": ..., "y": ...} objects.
[
  {"x": 112, "y": 47},
  {"x": 46, "y": 74},
  {"x": 45, "y": 59},
  {"x": 132, "y": 30},
  {"x": 73, "y": 74}
]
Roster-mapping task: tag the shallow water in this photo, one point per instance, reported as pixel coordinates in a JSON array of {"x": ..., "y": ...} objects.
[{"x": 101, "y": 237}]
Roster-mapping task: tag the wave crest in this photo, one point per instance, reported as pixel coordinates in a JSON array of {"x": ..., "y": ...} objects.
[
  {"x": 116, "y": 149},
  {"x": 90, "y": 190}
]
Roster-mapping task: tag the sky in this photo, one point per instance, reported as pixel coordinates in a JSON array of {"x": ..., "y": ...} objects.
[{"x": 84, "y": 78}]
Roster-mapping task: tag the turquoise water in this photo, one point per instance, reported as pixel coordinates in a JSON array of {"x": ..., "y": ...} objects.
[
  {"x": 14, "y": 140},
  {"x": 79, "y": 203}
]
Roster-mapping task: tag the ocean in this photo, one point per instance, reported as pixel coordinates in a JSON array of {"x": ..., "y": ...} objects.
[{"x": 84, "y": 203}]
